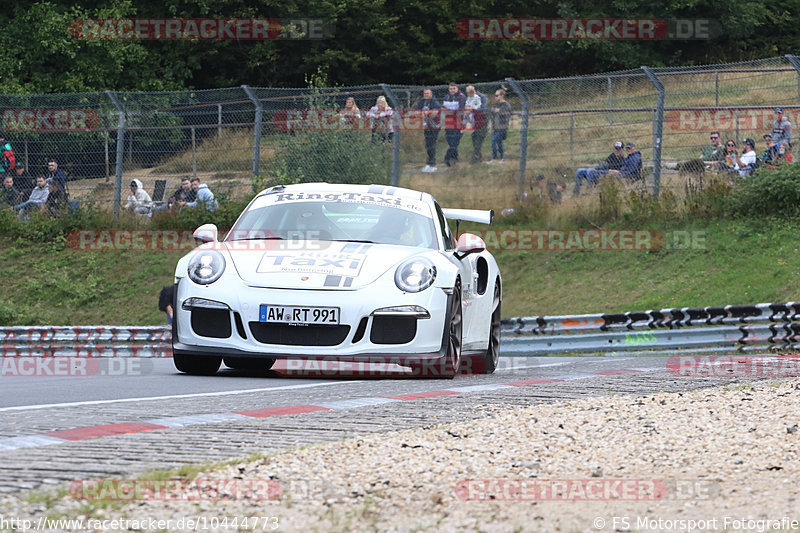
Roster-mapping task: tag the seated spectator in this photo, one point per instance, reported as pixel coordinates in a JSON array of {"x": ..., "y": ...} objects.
[
  {"x": 57, "y": 204},
  {"x": 631, "y": 168},
  {"x": 592, "y": 175},
  {"x": 551, "y": 188},
  {"x": 139, "y": 201},
  {"x": 710, "y": 157},
  {"x": 771, "y": 153},
  {"x": 23, "y": 181},
  {"x": 203, "y": 196},
  {"x": 746, "y": 162},
  {"x": 782, "y": 155},
  {"x": 729, "y": 162},
  {"x": 182, "y": 196},
  {"x": 56, "y": 174},
  {"x": 37, "y": 197},
  {"x": 9, "y": 195},
  {"x": 381, "y": 117}
]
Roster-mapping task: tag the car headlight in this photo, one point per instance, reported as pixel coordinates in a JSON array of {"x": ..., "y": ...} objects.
[
  {"x": 206, "y": 267},
  {"x": 415, "y": 275}
]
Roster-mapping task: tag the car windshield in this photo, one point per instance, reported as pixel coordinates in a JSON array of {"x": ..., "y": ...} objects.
[{"x": 336, "y": 221}]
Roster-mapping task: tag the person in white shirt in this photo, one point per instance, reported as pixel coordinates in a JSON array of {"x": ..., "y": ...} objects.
[
  {"x": 139, "y": 201},
  {"x": 745, "y": 162},
  {"x": 381, "y": 117}
]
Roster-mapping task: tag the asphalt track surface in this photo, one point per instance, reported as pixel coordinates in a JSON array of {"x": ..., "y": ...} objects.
[{"x": 124, "y": 419}]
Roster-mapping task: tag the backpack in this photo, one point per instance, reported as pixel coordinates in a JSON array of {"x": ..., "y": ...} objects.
[{"x": 8, "y": 157}]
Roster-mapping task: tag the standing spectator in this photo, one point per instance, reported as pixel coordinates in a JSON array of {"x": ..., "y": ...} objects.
[
  {"x": 22, "y": 180},
  {"x": 9, "y": 195},
  {"x": 203, "y": 196},
  {"x": 429, "y": 109},
  {"x": 454, "y": 103},
  {"x": 477, "y": 105},
  {"x": 57, "y": 203},
  {"x": 746, "y": 162},
  {"x": 381, "y": 117},
  {"x": 139, "y": 201},
  {"x": 501, "y": 117},
  {"x": 37, "y": 197},
  {"x": 631, "y": 168},
  {"x": 592, "y": 175},
  {"x": 57, "y": 175},
  {"x": 9, "y": 162},
  {"x": 781, "y": 128},
  {"x": 350, "y": 116}
]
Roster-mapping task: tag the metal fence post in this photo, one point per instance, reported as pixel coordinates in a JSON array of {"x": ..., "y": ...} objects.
[
  {"x": 256, "y": 129},
  {"x": 219, "y": 121},
  {"x": 194, "y": 153},
  {"x": 396, "y": 137},
  {"x": 795, "y": 61},
  {"x": 658, "y": 129},
  {"x": 120, "y": 151},
  {"x": 523, "y": 134}
]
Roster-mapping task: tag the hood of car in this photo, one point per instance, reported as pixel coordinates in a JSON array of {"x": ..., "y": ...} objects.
[{"x": 319, "y": 265}]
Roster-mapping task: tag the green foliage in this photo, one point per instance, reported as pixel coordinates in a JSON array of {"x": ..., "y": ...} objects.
[{"x": 768, "y": 192}]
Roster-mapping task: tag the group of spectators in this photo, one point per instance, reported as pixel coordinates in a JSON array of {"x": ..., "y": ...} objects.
[
  {"x": 21, "y": 192},
  {"x": 626, "y": 165},
  {"x": 729, "y": 157},
  {"x": 191, "y": 193},
  {"x": 458, "y": 112}
]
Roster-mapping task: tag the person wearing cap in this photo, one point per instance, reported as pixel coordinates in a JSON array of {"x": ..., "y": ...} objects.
[
  {"x": 592, "y": 175},
  {"x": 139, "y": 201},
  {"x": 631, "y": 168},
  {"x": 8, "y": 162},
  {"x": 746, "y": 161},
  {"x": 781, "y": 128}
]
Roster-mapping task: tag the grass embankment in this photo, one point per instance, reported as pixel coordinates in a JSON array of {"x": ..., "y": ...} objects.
[{"x": 737, "y": 263}]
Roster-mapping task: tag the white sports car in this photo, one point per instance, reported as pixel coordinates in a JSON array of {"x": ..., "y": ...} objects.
[{"x": 339, "y": 272}]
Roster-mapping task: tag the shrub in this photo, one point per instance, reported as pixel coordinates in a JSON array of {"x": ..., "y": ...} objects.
[{"x": 768, "y": 192}]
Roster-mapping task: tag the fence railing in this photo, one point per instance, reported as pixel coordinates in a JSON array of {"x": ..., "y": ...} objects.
[
  {"x": 238, "y": 138},
  {"x": 732, "y": 328}
]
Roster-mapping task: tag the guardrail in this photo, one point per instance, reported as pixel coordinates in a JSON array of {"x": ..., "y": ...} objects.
[
  {"x": 741, "y": 328},
  {"x": 86, "y": 341}
]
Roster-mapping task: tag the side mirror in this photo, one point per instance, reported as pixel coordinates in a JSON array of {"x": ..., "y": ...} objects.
[
  {"x": 469, "y": 243},
  {"x": 205, "y": 233}
]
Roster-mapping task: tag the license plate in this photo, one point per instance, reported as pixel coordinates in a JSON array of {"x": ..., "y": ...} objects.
[{"x": 288, "y": 314}]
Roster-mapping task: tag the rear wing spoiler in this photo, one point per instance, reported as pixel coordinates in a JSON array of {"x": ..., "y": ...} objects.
[{"x": 470, "y": 215}]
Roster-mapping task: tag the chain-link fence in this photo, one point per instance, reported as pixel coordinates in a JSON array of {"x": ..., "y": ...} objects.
[{"x": 240, "y": 139}]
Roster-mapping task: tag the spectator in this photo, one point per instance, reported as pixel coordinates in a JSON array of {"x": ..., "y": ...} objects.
[
  {"x": 139, "y": 201},
  {"x": 165, "y": 301},
  {"x": 729, "y": 163},
  {"x": 709, "y": 157},
  {"x": 551, "y": 188},
  {"x": 350, "y": 116},
  {"x": 183, "y": 195},
  {"x": 781, "y": 128},
  {"x": 592, "y": 175},
  {"x": 477, "y": 104},
  {"x": 429, "y": 108},
  {"x": 56, "y": 174},
  {"x": 37, "y": 197},
  {"x": 746, "y": 163},
  {"x": 784, "y": 154},
  {"x": 780, "y": 155},
  {"x": 381, "y": 117},
  {"x": 9, "y": 195},
  {"x": 203, "y": 196},
  {"x": 22, "y": 180},
  {"x": 771, "y": 153},
  {"x": 454, "y": 102},
  {"x": 57, "y": 203},
  {"x": 631, "y": 168},
  {"x": 501, "y": 117},
  {"x": 9, "y": 162}
]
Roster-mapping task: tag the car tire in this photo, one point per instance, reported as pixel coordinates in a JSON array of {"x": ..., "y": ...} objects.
[
  {"x": 446, "y": 366},
  {"x": 197, "y": 365},
  {"x": 487, "y": 362},
  {"x": 248, "y": 363}
]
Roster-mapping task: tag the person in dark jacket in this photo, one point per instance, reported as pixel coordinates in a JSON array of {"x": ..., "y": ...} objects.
[
  {"x": 454, "y": 103},
  {"x": 57, "y": 175},
  {"x": 23, "y": 181},
  {"x": 9, "y": 195},
  {"x": 165, "y": 301},
  {"x": 57, "y": 203},
  {"x": 631, "y": 169},
  {"x": 429, "y": 108},
  {"x": 501, "y": 119},
  {"x": 592, "y": 175}
]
